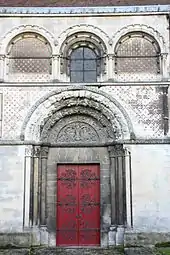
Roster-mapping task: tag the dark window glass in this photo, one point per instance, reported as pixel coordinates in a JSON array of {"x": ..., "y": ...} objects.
[
  {"x": 83, "y": 65},
  {"x": 76, "y": 76}
]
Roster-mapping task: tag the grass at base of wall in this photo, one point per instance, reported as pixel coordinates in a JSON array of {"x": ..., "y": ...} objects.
[{"x": 164, "y": 251}]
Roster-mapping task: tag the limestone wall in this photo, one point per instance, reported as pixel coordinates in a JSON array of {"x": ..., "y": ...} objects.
[
  {"x": 11, "y": 188},
  {"x": 150, "y": 188}
]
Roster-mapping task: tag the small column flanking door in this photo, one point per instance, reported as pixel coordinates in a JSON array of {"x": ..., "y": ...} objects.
[{"x": 78, "y": 205}]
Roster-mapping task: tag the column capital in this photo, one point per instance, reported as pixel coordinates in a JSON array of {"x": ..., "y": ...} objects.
[
  {"x": 56, "y": 56},
  {"x": 111, "y": 56},
  {"x": 116, "y": 150},
  {"x": 44, "y": 152},
  {"x": 2, "y": 56},
  {"x": 29, "y": 151},
  {"x": 36, "y": 151}
]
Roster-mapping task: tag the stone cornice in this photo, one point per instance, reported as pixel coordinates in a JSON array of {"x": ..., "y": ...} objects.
[
  {"x": 147, "y": 141},
  {"x": 92, "y": 11},
  {"x": 59, "y": 84}
]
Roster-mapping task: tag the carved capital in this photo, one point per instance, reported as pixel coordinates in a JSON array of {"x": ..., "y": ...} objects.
[
  {"x": 36, "y": 151},
  {"x": 2, "y": 57},
  {"x": 111, "y": 56},
  {"x": 164, "y": 56},
  {"x": 116, "y": 150},
  {"x": 29, "y": 151},
  {"x": 44, "y": 152},
  {"x": 56, "y": 57}
]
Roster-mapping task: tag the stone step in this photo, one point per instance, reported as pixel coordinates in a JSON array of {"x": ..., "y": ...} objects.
[
  {"x": 79, "y": 251},
  {"x": 61, "y": 251}
]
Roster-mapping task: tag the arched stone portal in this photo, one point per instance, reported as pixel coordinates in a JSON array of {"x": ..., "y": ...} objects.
[{"x": 75, "y": 129}]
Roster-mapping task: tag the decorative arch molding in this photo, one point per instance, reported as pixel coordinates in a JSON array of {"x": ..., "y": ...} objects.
[
  {"x": 80, "y": 114},
  {"x": 140, "y": 28},
  {"x": 23, "y": 29},
  {"x": 84, "y": 106},
  {"x": 34, "y": 119},
  {"x": 84, "y": 28},
  {"x": 83, "y": 39}
]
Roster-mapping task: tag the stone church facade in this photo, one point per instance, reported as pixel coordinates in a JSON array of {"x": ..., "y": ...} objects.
[{"x": 84, "y": 145}]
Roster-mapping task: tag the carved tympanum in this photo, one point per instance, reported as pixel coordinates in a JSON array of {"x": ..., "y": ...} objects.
[{"x": 77, "y": 132}]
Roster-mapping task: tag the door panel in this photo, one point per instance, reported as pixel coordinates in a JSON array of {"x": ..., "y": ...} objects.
[
  {"x": 67, "y": 205},
  {"x": 78, "y": 205},
  {"x": 89, "y": 205}
]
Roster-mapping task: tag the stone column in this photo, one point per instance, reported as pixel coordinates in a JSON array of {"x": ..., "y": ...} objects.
[
  {"x": 111, "y": 67},
  {"x": 36, "y": 178},
  {"x": 163, "y": 66},
  {"x": 27, "y": 186},
  {"x": 2, "y": 67},
  {"x": 117, "y": 179},
  {"x": 43, "y": 196},
  {"x": 56, "y": 68},
  {"x": 43, "y": 214},
  {"x": 113, "y": 227}
]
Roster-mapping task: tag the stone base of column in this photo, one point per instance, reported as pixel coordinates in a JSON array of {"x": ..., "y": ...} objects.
[
  {"x": 52, "y": 239},
  {"x": 44, "y": 235},
  {"x": 112, "y": 235},
  {"x": 120, "y": 235}
]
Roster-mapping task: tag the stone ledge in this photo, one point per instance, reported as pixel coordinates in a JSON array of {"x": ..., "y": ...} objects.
[
  {"x": 17, "y": 239},
  {"x": 143, "y": 238},
  {"x": 61, "y": 251},
  {"x": 15, "y": 252}
]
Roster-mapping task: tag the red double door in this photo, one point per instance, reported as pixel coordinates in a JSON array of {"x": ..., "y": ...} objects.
[{"x": 78, "y": 205}]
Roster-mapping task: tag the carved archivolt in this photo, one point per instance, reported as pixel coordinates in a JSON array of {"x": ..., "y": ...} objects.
[
  {"x": 82, "y": 39},
  {"x": 140, "y": 28},
  {"x": 105, "y": 111},
  {"x": 23, "y": 29},
  {"x": 86, "y": 29},
  {"x": 78, "y": 123}
]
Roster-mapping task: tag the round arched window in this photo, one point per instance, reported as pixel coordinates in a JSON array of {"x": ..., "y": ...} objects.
[{"x": 83, "y": 65}]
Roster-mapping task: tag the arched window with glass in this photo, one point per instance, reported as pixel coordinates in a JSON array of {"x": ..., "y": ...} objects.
[
  {"x": 83, "y": 58},
  {"x": 83, "y": 65},
  {"x": 29, "y": 58},
  {"x": 137, "y": 55}
]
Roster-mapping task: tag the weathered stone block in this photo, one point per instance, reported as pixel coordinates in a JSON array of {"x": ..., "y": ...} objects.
[
  {"x": 151, "y": 238},
  {"x": 18, "y": 239},
  {"x": 15, "y": 252}
]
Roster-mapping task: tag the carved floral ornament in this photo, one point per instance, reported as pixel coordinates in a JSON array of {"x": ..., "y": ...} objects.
[
  {"x": 62, "y": 103},
  {"x": 77, "y": 132}
]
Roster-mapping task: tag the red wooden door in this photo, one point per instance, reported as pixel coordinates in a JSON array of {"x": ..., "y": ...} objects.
[{"x": 78, "y": 205}]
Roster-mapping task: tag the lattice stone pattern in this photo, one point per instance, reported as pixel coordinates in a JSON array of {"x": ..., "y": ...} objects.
[{"x": 141, "y": 103}]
